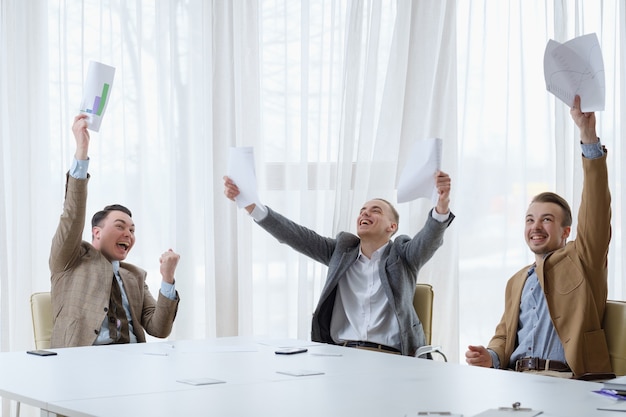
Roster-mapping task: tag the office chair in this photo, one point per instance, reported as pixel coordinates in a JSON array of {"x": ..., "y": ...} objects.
[
  {"x": 614, "y": 324},
  {"x": 423, "y": 305},
  {"x": 41, "y": 312},
  {"x": 41, "y": 309}
]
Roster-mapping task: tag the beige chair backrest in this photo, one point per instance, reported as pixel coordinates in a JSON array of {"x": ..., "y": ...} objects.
[
  {"x": 423, "y": 304},
  {"x": 41, "y": 310},
  {"x": 614, "y": 324}
]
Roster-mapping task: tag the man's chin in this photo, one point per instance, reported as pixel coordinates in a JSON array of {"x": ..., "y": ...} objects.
[
  {"x": 537, "y": 250},
  {"x": 119, "y": 257}
]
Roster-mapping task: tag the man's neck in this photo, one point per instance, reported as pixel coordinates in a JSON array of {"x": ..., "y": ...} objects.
[{"x": 368, "y": 247}]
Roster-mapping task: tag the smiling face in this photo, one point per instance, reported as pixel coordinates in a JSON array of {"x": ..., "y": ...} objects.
[
  {"x": 376, "y": 220},
  {"x": 114, "y": 236},
  {"x": 545, "y": 231}
]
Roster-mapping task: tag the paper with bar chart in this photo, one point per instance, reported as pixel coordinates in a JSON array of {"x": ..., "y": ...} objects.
[{"x": 96, "y": 93}]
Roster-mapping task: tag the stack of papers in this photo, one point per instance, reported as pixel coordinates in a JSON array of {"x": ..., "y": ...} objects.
[
  {"x": 618, "y": 383},
  {"x": 576, "y": 68}
]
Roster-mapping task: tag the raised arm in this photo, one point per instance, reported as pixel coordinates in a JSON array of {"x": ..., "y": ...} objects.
[
  {"x": 81, "y": 135},
  {"x": 68, "y": 236},
  {"x": 443, "y": 183},
  {"x": 586, "y": 122}
]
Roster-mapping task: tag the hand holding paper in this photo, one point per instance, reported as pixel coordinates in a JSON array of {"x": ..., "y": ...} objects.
[
  {"x": 241, "y": 172},
  {"x": 576, "y": 68}
]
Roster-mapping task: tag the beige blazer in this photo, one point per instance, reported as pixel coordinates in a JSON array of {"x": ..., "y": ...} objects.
[
  {"x": 574, "y": 282},
  {"x": 81, "y": 283}
]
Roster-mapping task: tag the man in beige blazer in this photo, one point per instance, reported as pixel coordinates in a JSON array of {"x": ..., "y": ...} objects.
[
  {"x": 97, "y": 298},
  {"x": 552, "y": 321}
]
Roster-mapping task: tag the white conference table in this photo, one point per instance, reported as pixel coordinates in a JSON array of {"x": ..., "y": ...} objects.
[{"x": 142, "y": 379}]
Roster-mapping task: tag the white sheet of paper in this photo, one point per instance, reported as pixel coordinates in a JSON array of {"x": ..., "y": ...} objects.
[
  {"x": 96, "y": 93},
  {"x": 300, "y": 372},
  {"x": 241, "y": 171},
  {"x": 575, "y": 68},
  {"x": 418, "y": 176},
  {"x": 508, "y": 412},
  {"x": 200, "y": 381}
]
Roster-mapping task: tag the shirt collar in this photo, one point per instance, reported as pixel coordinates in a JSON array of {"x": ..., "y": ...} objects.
[
  {"x": 377, "y": 253},
  {"x": 116, "y": 267}
]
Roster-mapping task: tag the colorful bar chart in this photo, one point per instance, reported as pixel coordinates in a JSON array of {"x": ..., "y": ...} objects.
[{"x": 99, "y": 102}]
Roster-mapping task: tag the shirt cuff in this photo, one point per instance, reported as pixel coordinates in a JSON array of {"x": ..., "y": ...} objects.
[
  {"x": 259, "y": 212},
  {"x": 495, "y": 361},
  {"x": 79, "y": 168},
  {"x": 441, "y": 218},
  {"x": 168, "y": 290},
  {"x": 592, "y": 150}
]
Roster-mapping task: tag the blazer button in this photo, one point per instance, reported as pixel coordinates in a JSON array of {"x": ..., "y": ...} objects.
[
  {"x": 96, "y": 331},
  {"x": 106, "y": 309}
]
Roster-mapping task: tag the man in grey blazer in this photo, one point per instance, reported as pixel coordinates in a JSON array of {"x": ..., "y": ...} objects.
[
  {"x": 367, "y": 300},
  {"x": 97, "y": 298}
]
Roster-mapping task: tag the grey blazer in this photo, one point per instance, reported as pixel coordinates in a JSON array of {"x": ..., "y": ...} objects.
[
  {"x": 399, "y": 266},
  {"x": 81, "y": 283}
]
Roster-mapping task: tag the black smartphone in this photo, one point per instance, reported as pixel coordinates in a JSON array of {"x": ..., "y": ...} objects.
[
  {"x": 290, "y": 350},
  {"x": 41, "y": 352}
]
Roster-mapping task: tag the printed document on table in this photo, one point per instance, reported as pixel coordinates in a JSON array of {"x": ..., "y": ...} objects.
[
  {"x": 576, "y": 68},
  {"x": 418, "y": 176},
  {"x": 241, "y": 171}
]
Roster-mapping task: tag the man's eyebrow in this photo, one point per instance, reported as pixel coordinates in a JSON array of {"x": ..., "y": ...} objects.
[
  {"x": 541, "y": 215},
  {"x": 373, "y": 207}
]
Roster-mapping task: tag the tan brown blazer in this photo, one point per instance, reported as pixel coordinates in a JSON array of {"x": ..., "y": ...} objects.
[
  {"x": 81, "y": 283},
  {"x": 574, "y": 282}
]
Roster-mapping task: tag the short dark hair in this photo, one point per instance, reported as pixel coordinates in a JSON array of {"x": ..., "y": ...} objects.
[
  {"x": 97, "y": 218},
  {"x": 548, "y": 197},
  {"x": 394, "y": 212}
]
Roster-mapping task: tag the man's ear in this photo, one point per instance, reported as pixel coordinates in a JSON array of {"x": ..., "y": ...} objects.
[
  {"x": 566, "y": 231},
  {"x": 95, "y": 233},
  {"x": 393, "y": 228}
]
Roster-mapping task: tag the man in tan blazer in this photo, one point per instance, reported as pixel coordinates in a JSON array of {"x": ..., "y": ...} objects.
[
  {"x": 97, "y": 298},
  {"x": 552, "y": 321}
]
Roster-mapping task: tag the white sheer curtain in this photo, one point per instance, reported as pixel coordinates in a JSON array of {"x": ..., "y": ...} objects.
[
  {"x": 330, "y": 94},
  {"x": 345, "y": 95},
  {"x": 516, "y": 140},
  {"x": 186, "y": 87}
]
